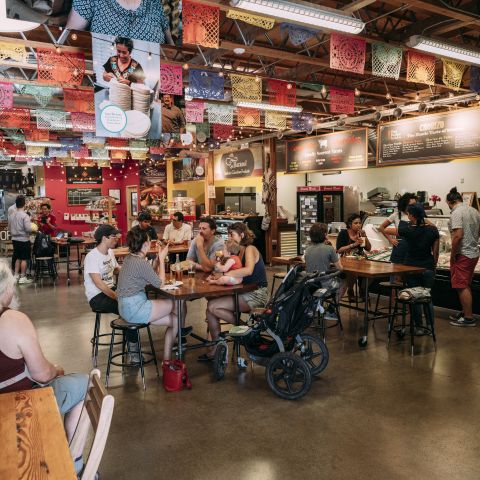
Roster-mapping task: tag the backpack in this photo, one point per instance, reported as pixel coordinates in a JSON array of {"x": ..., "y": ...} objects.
[{"x": 43, "y": 245}]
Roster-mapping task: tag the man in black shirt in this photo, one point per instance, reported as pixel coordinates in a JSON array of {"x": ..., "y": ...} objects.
[{"x": 145, "y": 223}]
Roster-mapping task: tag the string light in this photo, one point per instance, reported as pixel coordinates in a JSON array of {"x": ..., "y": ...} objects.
[
  {"x": 289, "y": 86},
  {"x": 388, "y": 96},
  {"x": 74, "y": 36},
  {"x": 357, "y": 92},
  {"x": 324, "y": 90},
  {"x": 417, "y": 97},
  {"x": 58, "y": 50},
  {"x": 185, "y": 66}
]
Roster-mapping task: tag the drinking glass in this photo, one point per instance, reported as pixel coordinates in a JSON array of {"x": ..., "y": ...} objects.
[{"x": 191, "y": 269}]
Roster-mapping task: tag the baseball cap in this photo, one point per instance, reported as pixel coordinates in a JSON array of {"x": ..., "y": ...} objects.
[{"x": 105, "y": 231}]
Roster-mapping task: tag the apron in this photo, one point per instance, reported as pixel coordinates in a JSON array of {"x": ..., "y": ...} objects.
[{"x": 400, "y": 251}]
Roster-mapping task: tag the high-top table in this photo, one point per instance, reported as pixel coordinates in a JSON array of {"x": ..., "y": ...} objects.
[
  {"x": 76, "y": 262},
  {"x": 34, "y": 443},
  {"x": 367, "y": 269},
  {"x": 198, "y": 287}
]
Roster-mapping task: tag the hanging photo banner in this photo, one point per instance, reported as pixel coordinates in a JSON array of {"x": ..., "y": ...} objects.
[
  {"x": 194, "y": 111},
  {"x": 188, "y": 170},
  {"x": 6, "y": 95},
  {"x": 346, "y": 150},
  {"x": 171, "y": 79},
  {"x": 347, "y": 53},
  {"x": 282, "y": 93},
  {"x": 205, "y": 84},
  {"x": 239, "y": 163},
  {"x": 342, "y": 100},
  {"x": 420, "y": 68},
  {"x": 153, "y": 188},
  {"x": 64, "y": 67},
  {"x": 246, "y": 88},
  {"x": 386, "y": 60},
  {"x": 83, "y": 175},
  {"x": 453, "y": 73},
  {"x": 173, "y": 119},
  {"x": 79, "y": 100},
  {"x": 125, "y": 103},
  {"x": 154, "y": 21},
  {"x": 266, "y": 23},
  {"x": 430, "y": 138},
  {"x": 83, "y": 122},
  {"x": 296, "y": 34},
  {"x": 222, "y": 132},
  {"x": 248, "y": 117},
  {"x": 302, "y": 121},
  {"x": 201, "y": 24},
  {"x": 222, "y": 114}
]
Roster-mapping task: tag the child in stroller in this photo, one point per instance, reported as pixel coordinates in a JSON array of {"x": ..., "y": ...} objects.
[{"x": 275, "y": 338}]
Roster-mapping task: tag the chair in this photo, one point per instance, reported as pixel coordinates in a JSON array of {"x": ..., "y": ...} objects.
[
  {"x": 120, "y": 326},
  {"x": 97, "y": 413},
  {"x": 277, "y": 276}
]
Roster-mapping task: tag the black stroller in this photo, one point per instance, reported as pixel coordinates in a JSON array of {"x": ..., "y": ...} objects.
[{"x": 275, "y": 338}]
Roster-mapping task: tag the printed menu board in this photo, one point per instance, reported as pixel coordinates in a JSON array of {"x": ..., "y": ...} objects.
[
  {"x": 82, "y": 196},
  {"x": 429, "y": 138},
  {"x": 345, "y": 150}
]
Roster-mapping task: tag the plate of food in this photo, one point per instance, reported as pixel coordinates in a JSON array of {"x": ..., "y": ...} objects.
[{"x": 171, "y": 285}]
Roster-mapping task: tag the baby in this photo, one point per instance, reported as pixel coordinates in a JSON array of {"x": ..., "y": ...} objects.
[{"x": 229, "y": 261}]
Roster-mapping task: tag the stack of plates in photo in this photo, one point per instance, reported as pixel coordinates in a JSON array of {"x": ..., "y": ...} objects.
[
  {"x": 120, "y": 94},
  {"x": 138, "y": 124},
  {"x": 141, "y": 98}
]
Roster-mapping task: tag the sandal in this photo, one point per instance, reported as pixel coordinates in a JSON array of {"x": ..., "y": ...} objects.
[{"x": 205, "y": 358}]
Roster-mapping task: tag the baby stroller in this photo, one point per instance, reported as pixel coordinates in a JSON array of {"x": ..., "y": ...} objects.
[{"x": 274, "y": 338}]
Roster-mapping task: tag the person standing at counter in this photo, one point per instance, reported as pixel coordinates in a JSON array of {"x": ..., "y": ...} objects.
[
  {"x": 422, "y": 241},
  {"x": 464, "y": 226}
]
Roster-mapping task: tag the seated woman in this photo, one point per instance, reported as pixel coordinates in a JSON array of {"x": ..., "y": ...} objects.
[
  {"x": 352, "y": 241},
  {"x": 136, "y": 273},
  {"x": 252, "y": 271},
  {"x": 422, "y": 241},
  {"x": 23, "y": 365}
]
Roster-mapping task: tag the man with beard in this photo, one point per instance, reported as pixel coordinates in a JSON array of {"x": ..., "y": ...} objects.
[{"x": 173, "y": 120}]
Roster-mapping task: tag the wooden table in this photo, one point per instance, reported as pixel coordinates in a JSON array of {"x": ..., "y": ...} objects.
[
  {"x": 34, "y": 444},
  {"x": 123, "y": 251},
  {"x": 367, "y": 269},
  {"x": 198, "y": 287}
]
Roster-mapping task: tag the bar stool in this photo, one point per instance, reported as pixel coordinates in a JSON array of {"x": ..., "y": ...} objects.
[
  {"x": 45, "y": 268},
  {"x": 277, "y": 276},
  {"x": 120, "y": 326},
  {"x": 389, "y": 288},
  {"x": 429, "y": 329},
  {"x": 95, "y": 340},
  {"x": 322, "y": 321}
]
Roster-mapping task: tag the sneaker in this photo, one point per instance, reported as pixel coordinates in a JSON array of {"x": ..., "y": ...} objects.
[
  {"x": 133, "y": 353},
  {"x": 24, "y": 281},
  {"x": 456, "y": 317},
  {"x": 464, "y": 322},
  {"x": 16, "y": 277},
  {"x": 331, "y": 316}
]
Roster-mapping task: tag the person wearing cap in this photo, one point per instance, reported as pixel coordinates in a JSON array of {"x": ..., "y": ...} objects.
[
  {"x": 145, "y": 223},
  {"x": 100, "y": 268}
]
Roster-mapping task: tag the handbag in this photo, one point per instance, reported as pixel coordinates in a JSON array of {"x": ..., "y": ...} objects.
[{"x": 175, "y": 376}]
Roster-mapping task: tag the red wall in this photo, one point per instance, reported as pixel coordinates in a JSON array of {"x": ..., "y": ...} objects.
[{"x": 113, "y": 177}]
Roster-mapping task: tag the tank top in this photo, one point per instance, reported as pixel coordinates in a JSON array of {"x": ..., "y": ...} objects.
[
  {"x": 259, "y": 274},
  {"x": 10, "y": 368}
]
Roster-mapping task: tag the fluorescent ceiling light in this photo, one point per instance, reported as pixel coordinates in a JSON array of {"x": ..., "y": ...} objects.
[
  {"x": 444, "y": 49},
  {"x": 29, "y": 143},
  {"x": 9, "y": 25},
  {"x": 267, "y": 106},
  {"x": 313, "y": 16},
  {"x": 128, "y": 149}
]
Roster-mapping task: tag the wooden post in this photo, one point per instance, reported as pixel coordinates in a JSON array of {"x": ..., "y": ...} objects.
[
  {"x": 209, "y": 184},
  {"x": 271, "y": 237}
]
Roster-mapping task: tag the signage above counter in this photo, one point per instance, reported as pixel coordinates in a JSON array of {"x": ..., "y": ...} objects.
[
  {"x": 346, "y": 150},
  {"x": 429, "y": 138},
  {"x": 239, "y": 163}
]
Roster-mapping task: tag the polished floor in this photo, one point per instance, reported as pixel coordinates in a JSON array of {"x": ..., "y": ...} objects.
[{"x": 372, "y": 414}]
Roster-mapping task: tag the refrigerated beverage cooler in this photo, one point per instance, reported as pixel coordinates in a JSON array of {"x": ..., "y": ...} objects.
[{"x": 324, "y": 204}]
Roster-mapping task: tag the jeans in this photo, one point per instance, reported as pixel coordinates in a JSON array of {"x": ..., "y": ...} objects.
[{"x": 425, "y": 279}]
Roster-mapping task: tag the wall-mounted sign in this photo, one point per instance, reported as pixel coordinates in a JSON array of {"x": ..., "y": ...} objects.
[
  {"x": 346, "y": 150},
  {"x": 188, "y": 170},
  {"x": 239, "y": 163},
  {"x": 83, "y": 175},
  {"x": 82, "y": 196},
  {"x": 429, "y": 138}
]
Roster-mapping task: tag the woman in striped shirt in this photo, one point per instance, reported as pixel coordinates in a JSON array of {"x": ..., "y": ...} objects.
[{"x": 136, "y": 273}]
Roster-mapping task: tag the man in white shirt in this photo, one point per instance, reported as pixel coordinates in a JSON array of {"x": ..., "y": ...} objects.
[{"x": 177, "y": 232}]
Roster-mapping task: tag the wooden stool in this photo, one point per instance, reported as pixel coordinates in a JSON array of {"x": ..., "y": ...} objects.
[
  {"x": 119, "y": 325},
  {"x": 277, "y": 276}
]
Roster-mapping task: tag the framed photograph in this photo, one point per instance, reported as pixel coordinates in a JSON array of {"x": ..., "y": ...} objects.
[
  {"x": 114, "y": 193},
  {"x": 134, "y": 203}
]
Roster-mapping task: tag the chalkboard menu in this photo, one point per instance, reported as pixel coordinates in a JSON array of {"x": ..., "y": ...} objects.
[
  {"x": 334, "y": 151},
  {"x": 82, "y": 196},
  {"x": 429, "y": 138},
  {"x": 83, "y": 175}
]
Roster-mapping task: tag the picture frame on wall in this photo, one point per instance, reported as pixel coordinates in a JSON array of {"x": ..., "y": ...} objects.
[
  {"x": 114, "y": 193},
  {"x": 134, "y": 203}
]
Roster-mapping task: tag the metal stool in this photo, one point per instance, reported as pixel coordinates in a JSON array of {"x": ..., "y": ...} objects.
[
  {"x": 119, "y": 325},
  {"x": 95, "y": 340},
  {"x": 430, "y": 328},
  {"x": 322, "y": 321},
  {"x": 277, "y": 276},
  {"x": 390, "y": 287},
  {"x": 45, "y": 267}
]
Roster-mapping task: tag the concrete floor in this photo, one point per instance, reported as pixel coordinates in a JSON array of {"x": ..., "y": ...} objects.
[{"x": 372, "y": 414}]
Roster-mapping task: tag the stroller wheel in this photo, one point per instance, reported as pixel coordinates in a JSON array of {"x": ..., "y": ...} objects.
[
  {"x": 314, "y": 352},
  {"x": 220, "y": 361},
  {"x": 288, "y": 376}
]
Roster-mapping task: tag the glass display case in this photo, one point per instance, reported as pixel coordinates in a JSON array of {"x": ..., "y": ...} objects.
[{"x": 186, "y": 205}]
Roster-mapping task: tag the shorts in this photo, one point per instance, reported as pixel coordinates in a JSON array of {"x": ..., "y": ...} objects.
[
  {"x": 69, "y": 390},
  {"x": 21, "y": 250},
  {"x": 461, "y": 271},
  {"x": 136, "y": 308},
  {"x": 256, "y": 298}
]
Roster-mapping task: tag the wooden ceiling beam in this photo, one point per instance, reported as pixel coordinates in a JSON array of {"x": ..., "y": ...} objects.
[{"x": 356, "y": 5}]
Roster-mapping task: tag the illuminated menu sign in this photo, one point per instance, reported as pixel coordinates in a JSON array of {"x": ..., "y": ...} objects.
[
  {"x": 430, "y": 138},
  {"x": 345, "y": 150}
]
